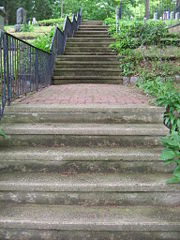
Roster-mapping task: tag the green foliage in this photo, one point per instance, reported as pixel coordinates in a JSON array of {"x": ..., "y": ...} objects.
[
  {"x": 2, "y": 134},
  {"x": 44, "y": 42},
  {"x": 171, "y": 153},
  {"x": 51, "y": 22},
  {"x": 27, "y": 28}
]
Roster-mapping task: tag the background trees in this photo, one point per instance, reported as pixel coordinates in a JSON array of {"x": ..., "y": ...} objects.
[{"x": 92, "y": 9}]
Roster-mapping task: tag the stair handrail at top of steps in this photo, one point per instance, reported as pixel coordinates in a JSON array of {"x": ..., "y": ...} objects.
[{"x": 25, "y": 68}]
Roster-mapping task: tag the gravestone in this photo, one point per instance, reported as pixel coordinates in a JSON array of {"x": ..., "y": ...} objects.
[
  {"x": 167, "y": 15},
  {"x": 2, "y": 15},
  {"x": 155, "y": 16},
  {"x": 34, "y": 21},
  {"x": 20, "y": 19},
  {"x": 172, "y": 15},
  {"x": 177, "y": 16}
]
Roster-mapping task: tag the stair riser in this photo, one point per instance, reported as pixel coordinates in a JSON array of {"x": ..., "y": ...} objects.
[
  {"x": 166, "y": 199},
  {"x": 86, "y": 50},
  {"x": 92, "y": 35},
  {"x": 94, "y": 23},
  {"x": 88, "y": 58},
  {"x": 80, "y": 140},
  {"x": 72, "y": 167},
  {"x": 98, "y": 80},
  {"x": 83, "y": 52},
  {"x": 90, "y": 40},
  {"x": 26, "y": 234},
  {"x": 85, "y": 116},
  {"x": 85, "y": 65},
  {"x": 77, "y": 72},
  {"x": 86, "y": 44},
  {"x": 90, "y": 29}
]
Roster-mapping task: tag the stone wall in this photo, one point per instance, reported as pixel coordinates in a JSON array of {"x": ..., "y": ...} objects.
[{"x": 175, "y": 29}]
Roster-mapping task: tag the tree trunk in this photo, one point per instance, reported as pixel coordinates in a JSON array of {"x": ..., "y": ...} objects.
[
  {"x": 147, "y": 9},
  {"x": 61, "y": 8}
]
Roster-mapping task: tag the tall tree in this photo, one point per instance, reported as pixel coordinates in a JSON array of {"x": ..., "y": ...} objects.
[
  {"x": 147, "y": 10},
  {"x": 62, "y": 4}
]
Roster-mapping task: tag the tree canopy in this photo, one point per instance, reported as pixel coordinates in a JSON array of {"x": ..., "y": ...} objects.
[{"x": 92, "y": 9}]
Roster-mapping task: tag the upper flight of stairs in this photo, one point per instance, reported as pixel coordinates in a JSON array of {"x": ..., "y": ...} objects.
[
  {"x": 88, "y": 58},
  {"x": 86, "y": 173}
]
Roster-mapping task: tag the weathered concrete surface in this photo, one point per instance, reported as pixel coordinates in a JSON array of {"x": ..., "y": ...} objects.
[
  {"x": 83, "y": 135},
  {"x": 79, "y": 218},
  {"x": 82, "y": 160}
]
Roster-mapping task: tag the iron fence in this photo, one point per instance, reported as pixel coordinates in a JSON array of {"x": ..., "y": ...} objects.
[{"x": 25, "y": 68}]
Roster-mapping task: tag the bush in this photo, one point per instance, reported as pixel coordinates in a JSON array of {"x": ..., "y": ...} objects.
[
  {"x": 44, "y": 42},
  {"x": 2, "y": 134},
  {"x": 51, "y": 22},
  {"x": 27, "y": 28}
]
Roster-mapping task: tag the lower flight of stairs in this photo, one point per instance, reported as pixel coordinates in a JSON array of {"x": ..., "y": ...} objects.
[
  {"x": 86, "y": 172},
  {"x": 88, "y": 58}
]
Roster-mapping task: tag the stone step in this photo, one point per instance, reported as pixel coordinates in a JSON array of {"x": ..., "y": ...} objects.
[
  {"x": 61, "y": 80},
  {"x": 92, "y": 29},
  {"x": 91, "y": 35},
  {"x": 82, "y": 160},
  {"x": 79, "y": 39},
  {"x": 86, "y": 72},
  {"x": 86, "y": 64},
  {"x": 93, "y": 22},
  {"x": 89, "y": 189},
  {"x": 92, "y": 50},
  {"x": 30, "y": 221},
  {"x": 83, "y": 57},
  {"x": 101, "y": 135},
  {"x": 82, "y": 114},
  {"x": 88, "y": 44}
]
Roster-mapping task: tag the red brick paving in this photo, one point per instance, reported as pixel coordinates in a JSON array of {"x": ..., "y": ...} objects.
[{"x": 74, "y": 94}]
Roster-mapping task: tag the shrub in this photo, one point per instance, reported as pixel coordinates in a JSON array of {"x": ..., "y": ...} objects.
[
  {"x": 2, "y": 134},
  {"x": 27, "y": 28}
]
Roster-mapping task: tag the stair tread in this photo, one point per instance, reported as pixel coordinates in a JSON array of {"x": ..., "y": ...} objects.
[
  {"x": 86, "y": 129},
  {"x": 107, "y": 69},
  {"x": 113, "y": 219},
  {"x": 80, "y": 154},
  {"x": 93, "y": 182}
]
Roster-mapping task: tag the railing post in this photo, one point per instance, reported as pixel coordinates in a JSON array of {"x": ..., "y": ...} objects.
[
  {"x": 36, "y": 71},
  {"x": 6, "y": 67}
]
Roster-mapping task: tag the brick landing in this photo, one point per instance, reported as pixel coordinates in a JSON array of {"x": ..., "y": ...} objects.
[{"x": 86, "y": 94}]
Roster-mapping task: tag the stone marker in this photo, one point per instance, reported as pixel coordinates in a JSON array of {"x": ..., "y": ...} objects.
[
  {"x": 20, "y": 19},
  {"x": 177, "y": 16},
  {"x": 34, "y": 21},
  {"x": 172, "y": 15},
  {"x": 2, "y": 15},
  {"x": 167, "y": 15},
  {"x": 155, "y": 16}
]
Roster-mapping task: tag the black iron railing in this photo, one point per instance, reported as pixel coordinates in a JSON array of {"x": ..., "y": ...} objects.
[{"x": 25, "y": 68}]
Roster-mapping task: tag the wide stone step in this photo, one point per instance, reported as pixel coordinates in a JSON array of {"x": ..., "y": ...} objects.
[
  {"x": 91, "y": 35},
  {"x": 90, "y": 50},
  {"x": 90, "y": 189},
  {"x": 84, "y": 57},
  {"x": 94, "y": 40},
  {"x": 88, "y": 44},
  {"x": 92, "y": 29},
  {"x": 82, "y": 114},
  {"x": 93, "y": 22},
  {"x": 81, "y": 222},
  {"x": 86, "y": 72},
  {"x": 86, "y": 64},
  {"x": 109, "y": 135},
  {"x": 61, "y": 80},
  {"x": 82, "y": 160}
]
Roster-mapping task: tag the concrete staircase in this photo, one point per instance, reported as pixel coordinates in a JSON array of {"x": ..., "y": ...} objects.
[
  {"x": 85, "y": 172},
  {"x": 88, "y": 58}
]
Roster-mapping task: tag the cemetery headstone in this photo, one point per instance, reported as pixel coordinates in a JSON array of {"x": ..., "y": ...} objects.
[
  {"x": 172, "y": 15},
  {"x": 34, "y": 21},
  {"x": 2, "y": 15},
  {"x": 155, "y": 16},
  {"x": 177, "y": 16},
  {"x": 20, "y": 19},
  {"x": 167, "y": 15}
]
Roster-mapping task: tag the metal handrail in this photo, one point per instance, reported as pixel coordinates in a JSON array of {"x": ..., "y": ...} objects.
[{"x": 25, "y": 68}]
